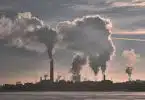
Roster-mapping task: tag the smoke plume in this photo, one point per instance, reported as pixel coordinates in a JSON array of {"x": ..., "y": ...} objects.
[
  {"x": 130, "y": 60},
  {"x": 14, "y": 28},
  {"x": 130, "y": 57},
  {"x": 46, "y": 36},
  {"x": 90, "y": 35},
  {"x": 129, "y": 72},
  {"x": 26, "y": 31},
  {"x": 78, "y": 61},
  {"x": 94, "y": 64}
]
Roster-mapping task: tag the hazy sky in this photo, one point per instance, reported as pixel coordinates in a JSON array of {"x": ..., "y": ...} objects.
[{"x": 128, "y": 21}]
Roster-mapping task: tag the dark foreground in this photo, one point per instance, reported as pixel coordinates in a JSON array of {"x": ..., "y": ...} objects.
[
  {"x": 47, "y": 85},
  {"x": 73, "y": 96}
]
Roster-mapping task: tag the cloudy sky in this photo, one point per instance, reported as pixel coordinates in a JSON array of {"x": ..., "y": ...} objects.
[{"x": 127, "y": 17}]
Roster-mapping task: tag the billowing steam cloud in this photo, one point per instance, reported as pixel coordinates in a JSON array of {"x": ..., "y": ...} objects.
[
  {"x": 130, "y": 60},
  {"x": 130, "y": 57},
  {"x": 48, "y": 37},
  {"x": 90, "y": 35},
  {"x": 94, "y": 64},
  {"x": 26, "y": 31},
  {"x": 14, "y": 29},
  {"x": 97, "y": 62},
  {"x": 78, "y": 61}
]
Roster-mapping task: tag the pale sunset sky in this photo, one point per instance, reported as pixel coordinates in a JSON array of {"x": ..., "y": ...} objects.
[{"x": 128, "y": 21}]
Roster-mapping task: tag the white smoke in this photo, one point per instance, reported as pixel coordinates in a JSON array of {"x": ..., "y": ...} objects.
[
  {"x": 79, "y": 60},
  {"x": 16, "y": 30},
  {"x": 18, "y": 26},
  {"x": 90, "y": 35},
  {"x": 6, "y": 26},
  {"x": 130, "y": 57}
]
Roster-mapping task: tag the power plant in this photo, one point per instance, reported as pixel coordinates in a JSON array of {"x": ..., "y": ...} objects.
[{"x": 78, "y": 35}]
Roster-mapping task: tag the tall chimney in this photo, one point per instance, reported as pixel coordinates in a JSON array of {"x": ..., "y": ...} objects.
[
  {"x": 51, "y": 70},
  {"x": 104, "y": 77},
  {"x": 51, "y": 65}
]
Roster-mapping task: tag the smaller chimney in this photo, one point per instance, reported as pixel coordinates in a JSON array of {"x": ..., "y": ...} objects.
[{"x": 104, "y": 77}]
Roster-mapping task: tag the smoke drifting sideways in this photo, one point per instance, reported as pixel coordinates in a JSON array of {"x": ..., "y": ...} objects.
[
  {"x": 26, "y": 31},
  {"x": 46, "y": 36},
  {"x": 90, "y": 35},
  {"x": 13, "y": 29}
]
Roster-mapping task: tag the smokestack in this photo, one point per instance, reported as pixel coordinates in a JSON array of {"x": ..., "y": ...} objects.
[
  {"x": 30, "y": 31},
  {"x": 130, "y": 58},
  {"x": 51, "y": 64},
  {"x": 48, "y": 37},
  {"x": 104, "y": 77},
  {"x": 51, "y": 70}
]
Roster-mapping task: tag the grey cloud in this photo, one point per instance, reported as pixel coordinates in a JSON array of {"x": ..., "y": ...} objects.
[
  {"x": 78, "y": 61},
  {"x": 54, "y": 11},
  {"x": 90, "y": 35}
]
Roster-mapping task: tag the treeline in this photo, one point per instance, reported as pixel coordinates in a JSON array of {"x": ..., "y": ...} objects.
[{"x": 62, "y": 85}]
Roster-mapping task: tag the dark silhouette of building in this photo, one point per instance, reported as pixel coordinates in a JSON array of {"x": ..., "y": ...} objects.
[
  {"x": 76, "y": 78},
  {"x": 62, "y": 85}
]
